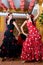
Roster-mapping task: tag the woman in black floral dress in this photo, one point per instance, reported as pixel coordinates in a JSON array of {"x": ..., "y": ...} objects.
[{"x": 9, "y": 47}]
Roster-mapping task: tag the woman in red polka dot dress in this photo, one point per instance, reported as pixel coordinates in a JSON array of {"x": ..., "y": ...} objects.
[{"x": 32, "y": 46}]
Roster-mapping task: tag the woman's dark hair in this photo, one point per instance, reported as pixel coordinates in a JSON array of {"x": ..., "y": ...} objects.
[
  {"x": 32, "y": 18},
  {"x": 6, "y": 20}
]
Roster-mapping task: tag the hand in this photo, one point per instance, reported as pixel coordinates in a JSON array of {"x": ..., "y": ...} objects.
[
  {"x": 25, "y": 34},
  {"x": 17, "y": 37}
]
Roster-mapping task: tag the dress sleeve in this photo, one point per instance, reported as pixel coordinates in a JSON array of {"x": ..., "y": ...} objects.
[{"x": 12, "y": 20}]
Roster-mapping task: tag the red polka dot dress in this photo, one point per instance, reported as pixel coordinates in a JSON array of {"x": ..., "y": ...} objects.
[{"x": 32, "y": 47}]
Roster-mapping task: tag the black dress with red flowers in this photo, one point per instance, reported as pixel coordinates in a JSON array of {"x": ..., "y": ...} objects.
[{"x": 9, "y": 46}]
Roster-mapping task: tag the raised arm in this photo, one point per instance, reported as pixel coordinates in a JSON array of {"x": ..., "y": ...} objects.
[
  {"x": 16, "y": 27},
  {"x": 22, "y": 28},
  {"x": 37, "y": 13}
]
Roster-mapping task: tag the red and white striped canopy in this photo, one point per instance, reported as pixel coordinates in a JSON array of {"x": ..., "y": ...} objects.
[{"x": 12, "y": 4}]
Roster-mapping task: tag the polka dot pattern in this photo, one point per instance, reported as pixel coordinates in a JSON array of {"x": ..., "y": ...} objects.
[{"x": 32, "y": 47}]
